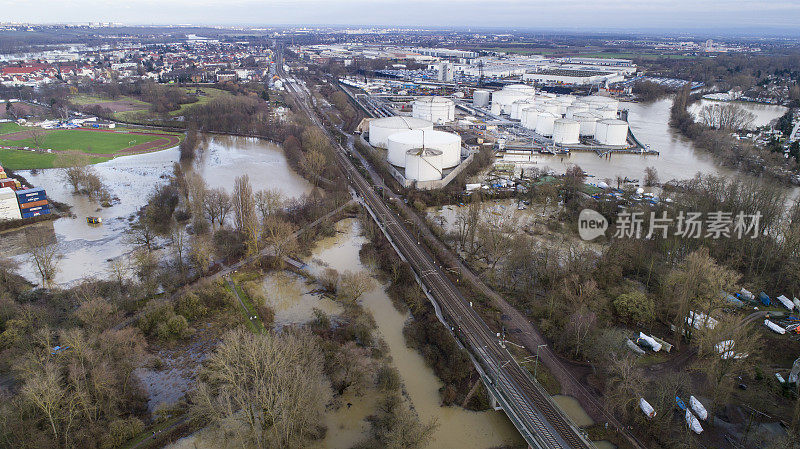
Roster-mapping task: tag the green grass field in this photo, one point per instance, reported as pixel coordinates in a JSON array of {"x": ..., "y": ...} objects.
[
  {"x": 84, "y": 140},
  {"x": 9, "y": 127},
  {"x": 103, "y": 145}
]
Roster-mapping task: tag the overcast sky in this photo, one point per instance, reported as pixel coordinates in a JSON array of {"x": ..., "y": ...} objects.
[{"x": 771, "y": 17}]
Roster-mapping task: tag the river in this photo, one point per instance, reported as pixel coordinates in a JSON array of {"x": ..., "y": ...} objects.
[
  {"x": 678, "y": 158},
  {"x": 86, "y": 249},
  {"x": 763, "y": 113}
]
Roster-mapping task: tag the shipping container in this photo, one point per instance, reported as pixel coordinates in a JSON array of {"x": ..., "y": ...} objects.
[
  {"x": 34, "y": 209},
  {"x": 3, "y": 175},
  {"x": 8, "y": 182},
  {"x": 33, "y": 204},
  {"x": 35, "y": 214},
  {"x": 28, "y": 193}
]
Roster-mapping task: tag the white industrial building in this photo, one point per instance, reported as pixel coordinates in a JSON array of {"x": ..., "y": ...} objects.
[
  {"x": 480, "y": 98},
  {"x": 445, "y": 72},
  {"x": 572, "y": 77},
  {"x": 448, "y": 143},
  {"x": 438, "y": 110},
  {"x": 380, "y": 129}
]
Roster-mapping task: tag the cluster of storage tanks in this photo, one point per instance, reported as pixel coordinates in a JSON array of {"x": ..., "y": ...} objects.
[
  {"x": 413, "y": 145},
  {"x": 565, "y": 118}
]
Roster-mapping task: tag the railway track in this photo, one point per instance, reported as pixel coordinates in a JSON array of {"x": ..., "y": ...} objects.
[{"x": 532, "y": 407}]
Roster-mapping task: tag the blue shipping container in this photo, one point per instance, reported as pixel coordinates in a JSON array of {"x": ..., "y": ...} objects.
[
  {"x": 35, "y": 209},
  {"x": 35, "y": 214},
  {"x": 34, "y": 191},
  {"x": 31, "y": 198}
]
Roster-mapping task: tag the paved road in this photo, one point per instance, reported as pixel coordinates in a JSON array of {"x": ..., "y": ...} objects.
[{"x": 531, "y": 404}]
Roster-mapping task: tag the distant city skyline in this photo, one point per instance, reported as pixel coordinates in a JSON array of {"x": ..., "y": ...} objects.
[{"x": 712, "y": 16}]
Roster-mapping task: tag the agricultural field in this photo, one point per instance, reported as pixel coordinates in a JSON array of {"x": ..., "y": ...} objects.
[{"x": 98, "y": 145}]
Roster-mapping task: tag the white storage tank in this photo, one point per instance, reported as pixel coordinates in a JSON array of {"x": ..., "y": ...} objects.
[
  {"x": 606, "y": 112},
  {"x": 9, "y": 207},
  {"x": 611, "y": 132},
  {"x": 529, "y": 115},
  {"x": 587, "y": 121},
  {"x": 448, "y": 143},
  {"x": 601, "y": 101},
  {"x": 545, "y": 122},
  {"x": 380, "y": 129},
  {"x": 522, "y": 88},
  {"x": 571, "y": 110},
  {"x": 503, "y": 99},
  {"x": 519, "y": 105},
  {"x": 423, "y": 164},
  {"x": 566, "y": 131},
  {"x": 438, "y": 110},
  {"x": 480, "y": 98},
  {"x": 552, "y": 107}
]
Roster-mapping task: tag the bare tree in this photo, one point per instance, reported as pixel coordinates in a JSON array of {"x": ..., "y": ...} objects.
[
  {"x": 216, "y": 205},
  {"x": 278, "y": 234},
  {"x": 263, "y": 390},
  {"x": 650, "y": 177},
  {"x": 727, "y": 116},
  {"x": 268, "y": 202},
  {"x": 37, "y": 136},
  {"x": 243, "y": 204},
  {"x": 43, "y": 249},
  {"x": 313, "y": 164},
  {"x": 119, "y": 269},
  {"x": 352, "y": 285}
]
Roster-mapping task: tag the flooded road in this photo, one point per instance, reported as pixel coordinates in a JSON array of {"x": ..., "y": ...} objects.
[{"x": 86, "y": 248}]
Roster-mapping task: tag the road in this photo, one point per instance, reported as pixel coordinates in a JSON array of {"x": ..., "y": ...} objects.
[{"x": 538, "y": 419}]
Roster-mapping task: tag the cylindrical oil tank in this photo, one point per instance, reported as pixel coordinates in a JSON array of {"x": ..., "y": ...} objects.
[
  {"x": 571, "y": 110},
  {"x": 606, "y": 112},
  {"x": 606, "y": 102},
  {"x": 522, "y": 88},
  {"x": 545, "y": 122},
  {"x": 588, "y": 122},
  {"x": 448, "y": 143},
  {"x": 380, "y": 129},
  {"x": 552, "y": 107},
  {"x": 566, "y": 131},
  {"x": 611, "y": 132},
  {"x": 529, "y": 115},
  {"x": 518, "y": 105},
  {"x": 438, "y": 110},
  {"x": 480, "y": 98},
  {"x": 423, "y": 164},
  {"x": 503, "y": 99}
]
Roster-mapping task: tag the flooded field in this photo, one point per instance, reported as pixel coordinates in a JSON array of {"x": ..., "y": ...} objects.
[
  {"x": 764, "y": 113},
  {"x": 86, "y": 249},
  {"x": 458, "y": 428},
  {"x": 293, "y": 299}
]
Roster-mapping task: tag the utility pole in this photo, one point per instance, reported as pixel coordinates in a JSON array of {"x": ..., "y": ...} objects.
[{"x": 536, "y": 365}]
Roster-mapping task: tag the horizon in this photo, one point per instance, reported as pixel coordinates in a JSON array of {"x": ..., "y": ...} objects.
[{"x": 729, "y": 17}]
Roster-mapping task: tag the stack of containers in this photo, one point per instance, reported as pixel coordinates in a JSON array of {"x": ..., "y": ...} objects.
[
  {"x": 11, "y": 183},
  {"x": 33, "y": 202},
  {"x": 9, "y": 209}
]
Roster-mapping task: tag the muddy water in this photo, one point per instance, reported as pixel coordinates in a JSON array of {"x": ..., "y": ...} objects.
[
  {"x": 293, "y": 299},
  {"x": 764, "y": 113},
  {"x": 458, "y": 428},
  {"x": 678, "y": 158},
  {"x": 86, "y": 249}
]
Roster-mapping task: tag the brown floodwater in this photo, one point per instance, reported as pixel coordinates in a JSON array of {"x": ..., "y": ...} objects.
[
  {"x": 86, "y": 249},
  {"x": 293, "y": 299}
]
